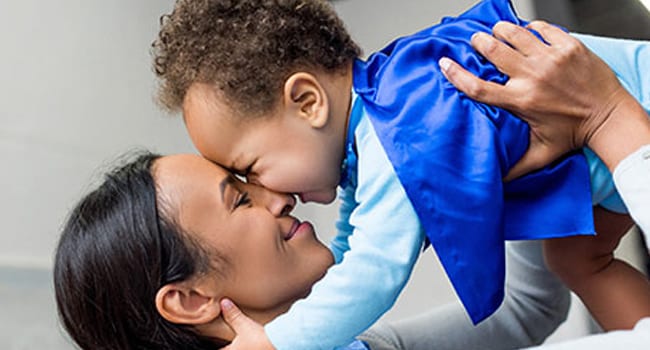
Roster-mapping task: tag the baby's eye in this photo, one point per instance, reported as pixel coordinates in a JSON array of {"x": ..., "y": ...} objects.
[{"x": 243, "y": 199}]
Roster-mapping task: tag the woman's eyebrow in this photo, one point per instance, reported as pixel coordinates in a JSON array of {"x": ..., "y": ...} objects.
[{"x": 227, "y": 181}]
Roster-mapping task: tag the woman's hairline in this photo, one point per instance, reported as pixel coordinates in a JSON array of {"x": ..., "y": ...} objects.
[{"x": 209, "y": 260}]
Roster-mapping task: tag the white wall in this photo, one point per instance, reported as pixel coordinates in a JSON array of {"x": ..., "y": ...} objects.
[
  {"x": 76, "y": 91},
  {"x": 373, "y": 23}
]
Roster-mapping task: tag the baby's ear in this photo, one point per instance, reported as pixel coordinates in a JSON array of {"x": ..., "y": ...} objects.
[
  {"x": 305, "y": 97},
  {"x": 183, "y": 303}
]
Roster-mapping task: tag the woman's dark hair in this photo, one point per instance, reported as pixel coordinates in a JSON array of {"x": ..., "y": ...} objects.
[{"x": 115, "y": 252}]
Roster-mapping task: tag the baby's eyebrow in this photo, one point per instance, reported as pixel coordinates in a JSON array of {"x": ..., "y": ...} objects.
[{"x": 227, "y": 181}]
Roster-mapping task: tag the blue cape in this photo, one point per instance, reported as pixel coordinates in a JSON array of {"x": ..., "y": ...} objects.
[{"x": 450, "y": 154}]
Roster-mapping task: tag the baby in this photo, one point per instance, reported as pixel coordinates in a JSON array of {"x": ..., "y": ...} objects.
[{"x": 276, "y": 92}]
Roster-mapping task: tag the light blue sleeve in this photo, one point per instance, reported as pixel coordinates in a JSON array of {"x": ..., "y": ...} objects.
[
  {"x": 630, "y": 60},
  {"x": 384, "y": 245},
  {"x": 340, "y": 244}
]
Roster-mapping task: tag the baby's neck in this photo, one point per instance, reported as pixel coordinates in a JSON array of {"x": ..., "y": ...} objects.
[
  {"x": 341, "y": 104},
  {"x": 338, "y": 88}
]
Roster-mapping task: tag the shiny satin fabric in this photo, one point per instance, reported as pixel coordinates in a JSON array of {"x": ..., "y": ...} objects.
[{"x": 450, "y": 154}]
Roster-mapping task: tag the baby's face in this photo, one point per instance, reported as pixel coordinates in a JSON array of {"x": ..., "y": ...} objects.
[{"x": 280, "y": 152}]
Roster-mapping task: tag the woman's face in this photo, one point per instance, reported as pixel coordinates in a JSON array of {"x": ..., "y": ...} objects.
[{"x": 272, "y": 258}]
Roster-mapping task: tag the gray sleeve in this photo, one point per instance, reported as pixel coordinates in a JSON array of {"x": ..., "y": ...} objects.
[{"x": 536, "y": 303}]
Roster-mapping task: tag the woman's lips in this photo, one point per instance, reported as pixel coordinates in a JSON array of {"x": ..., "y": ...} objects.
[
  {"x": 297, "y": 228},
  {"x": 293, "y": 230}
]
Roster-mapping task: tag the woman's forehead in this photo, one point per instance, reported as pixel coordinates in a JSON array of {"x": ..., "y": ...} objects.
[
  {"x": 191, "y": 189},
  {"x": 179, "y": 176}
]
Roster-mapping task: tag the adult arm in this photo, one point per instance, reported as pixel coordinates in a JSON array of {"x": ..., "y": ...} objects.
[
  {"x": 631, "y": 179},
  {"x": 536, "y": 303}
]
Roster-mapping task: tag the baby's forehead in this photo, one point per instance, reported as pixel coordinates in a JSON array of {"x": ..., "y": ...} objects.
[{"x": 204, "y": 97}]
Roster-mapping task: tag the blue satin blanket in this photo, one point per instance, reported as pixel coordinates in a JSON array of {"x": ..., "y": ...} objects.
[{"x": 450, "y": 154}]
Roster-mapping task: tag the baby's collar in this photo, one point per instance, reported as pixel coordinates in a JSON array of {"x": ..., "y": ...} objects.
[{"x": 350, "y": 161}]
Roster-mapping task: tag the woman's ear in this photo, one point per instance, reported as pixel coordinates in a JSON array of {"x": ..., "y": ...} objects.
[
  {"x": 182, "y": 303},
  {"x": 305, "y": 96}
]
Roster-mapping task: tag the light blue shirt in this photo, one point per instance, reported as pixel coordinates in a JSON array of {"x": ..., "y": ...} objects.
[{"x": 379, "y": 235}]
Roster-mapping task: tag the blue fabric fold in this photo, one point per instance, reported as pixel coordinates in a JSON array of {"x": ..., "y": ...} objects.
[{"x": 450, "y": 154}]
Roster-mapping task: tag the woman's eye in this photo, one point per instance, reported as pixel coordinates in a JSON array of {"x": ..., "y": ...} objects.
[{"x": 243, "y": 199}]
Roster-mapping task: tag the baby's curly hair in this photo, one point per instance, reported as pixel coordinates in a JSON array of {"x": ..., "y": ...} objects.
[{"x": 246, "y": 49}]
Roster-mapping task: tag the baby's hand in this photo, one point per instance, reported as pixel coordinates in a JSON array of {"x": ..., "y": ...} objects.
[
  {"x": 563, "y": 90},
  {"x": 249, "y": 334}
]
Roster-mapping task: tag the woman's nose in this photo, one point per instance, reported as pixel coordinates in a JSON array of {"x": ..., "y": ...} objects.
[{"x": 280, "y": 204}]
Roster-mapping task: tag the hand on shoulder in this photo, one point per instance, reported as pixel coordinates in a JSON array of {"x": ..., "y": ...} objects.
[{"x": 569, "y": 96}]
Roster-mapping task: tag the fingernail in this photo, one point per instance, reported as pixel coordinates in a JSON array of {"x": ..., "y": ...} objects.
[
  {"x": 444, "y": 63},
  {"x": 477, "y": 35},
  {"x": 227, "y": 304}
]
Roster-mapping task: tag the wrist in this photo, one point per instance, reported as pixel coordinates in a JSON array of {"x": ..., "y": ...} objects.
[{"x": 623, "y": 130}]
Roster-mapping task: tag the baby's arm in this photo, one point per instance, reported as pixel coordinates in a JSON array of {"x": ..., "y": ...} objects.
[
  {"x": 616, "y": 294},
  {"x": 385, "y": 243}
]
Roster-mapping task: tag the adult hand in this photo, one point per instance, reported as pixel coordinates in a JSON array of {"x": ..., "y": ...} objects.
[
  {"x": 248, "y": 333},
  {"x": 563, "y": 90}
]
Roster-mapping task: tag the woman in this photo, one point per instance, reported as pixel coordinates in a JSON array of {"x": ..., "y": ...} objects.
[{"x": 145, "y": 259}]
